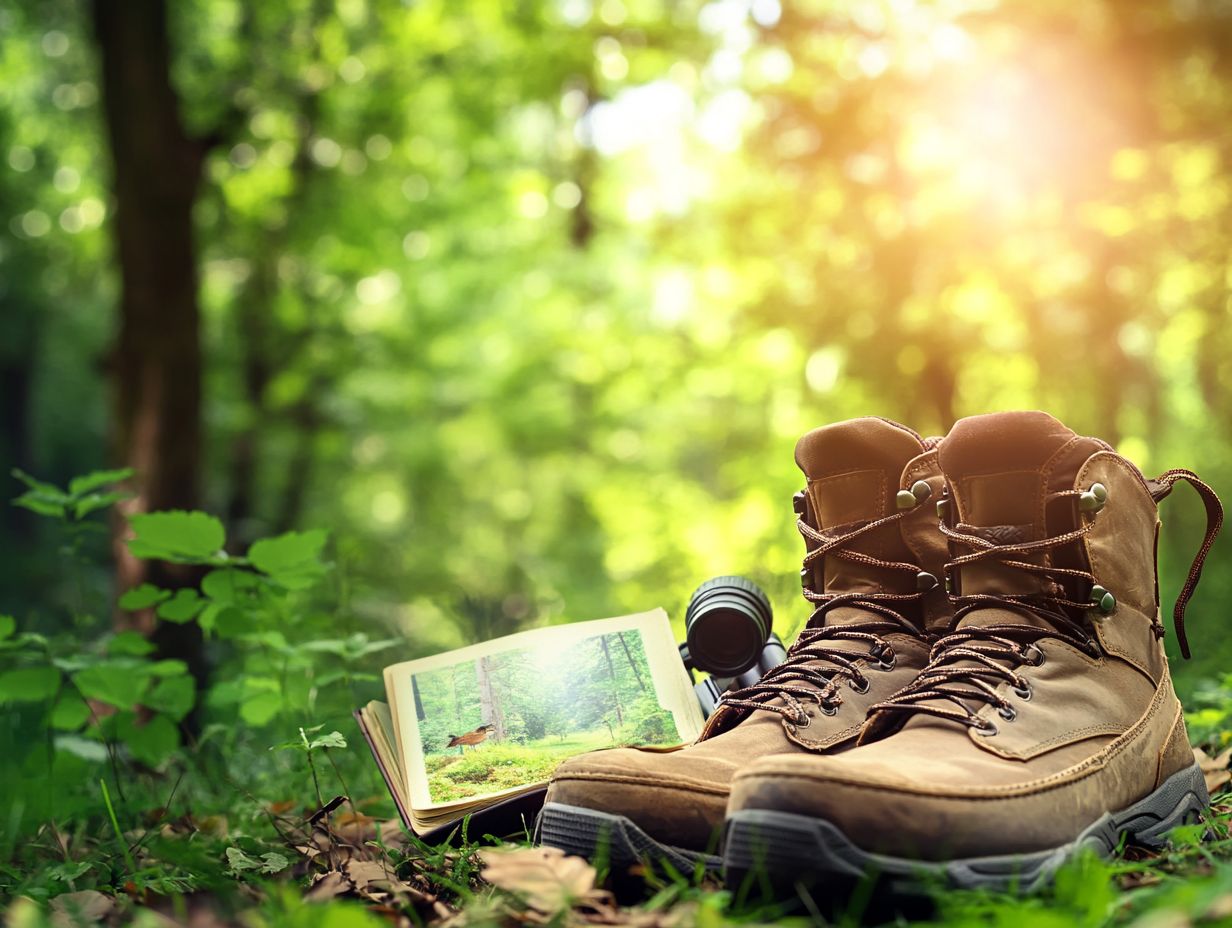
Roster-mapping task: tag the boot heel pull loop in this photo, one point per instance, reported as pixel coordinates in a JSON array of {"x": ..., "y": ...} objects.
[{"x": 1160, "y": 487}]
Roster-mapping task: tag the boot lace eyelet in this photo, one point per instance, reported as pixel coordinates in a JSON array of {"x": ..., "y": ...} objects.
[
  {"x": 1032, "y": 655},
  {"x": 804, "y": 720},
  {"x": 862, "y": 687},
  {"x": 828, "y": 709},
  {"x": 1022, "y": 692},
  {"x": 1009, "y": 713},
  {"x": 887, "y": 660},
  {"x": 985, "y": 728}
]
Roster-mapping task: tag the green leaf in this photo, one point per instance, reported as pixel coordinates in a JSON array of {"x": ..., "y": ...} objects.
[
  {"x": 273, "y": 862},
  {"x": 40, "y": 504},
  {"x": 99, "y": 478},
  {"x": 143, "y": 597},
  {"x": 49, "y": 490},
  {"x": 270, "y": 862},
  {"x": 151, "y": 742},
  {"x": 181, "y": 537},
  {"x": 28, "y": 684},
  {"x": 8, "y": 625},
  {"x": 70, "y": 712},
  {"x": 231, "y": 623},
  {"x": 130, "y": 643},
  {"x": 332, "y": 740},
  {"x": 261, "y": 708},
  {"x": 96, "y": 501},
  {"x": 117, "y": 683},
  {"x": 172, "y": 695},
  {"x": 238, "y": 861},
  {"x": 292, "y": 560},
  {"x": 182, "y": 607},
  {"x": 166, "y": 668},
  {"x": 228, "y": 585},
  {"x": 85, "y": 748}
]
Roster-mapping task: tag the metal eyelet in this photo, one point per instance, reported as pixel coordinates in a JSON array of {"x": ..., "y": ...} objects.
[
  {"x": 1009, "y": 713},
  {"x": 1032, "y": 655},
  {"x": 1094, "y": 499},
  {"x": 985, "y": 728},
  {"x": 1022, "y": 692},
  {"x": 804, "y": 721},
  {"x": 863, "y": 688},
  {"x": 887, "y": 660},
  {"x": 827, "y": 709}
]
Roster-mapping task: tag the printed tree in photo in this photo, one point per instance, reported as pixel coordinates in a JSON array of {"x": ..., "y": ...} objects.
[
  {"x": 490, "y": 707},
  {"x": 611, "y": 672},
  {"x": 637, "y": 673}
]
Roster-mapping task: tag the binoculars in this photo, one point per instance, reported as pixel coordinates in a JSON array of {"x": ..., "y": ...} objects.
[{"x": 729, "y": 635}]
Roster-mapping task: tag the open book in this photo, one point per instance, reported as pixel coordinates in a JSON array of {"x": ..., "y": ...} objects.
[{"x": 468, "y": 729}]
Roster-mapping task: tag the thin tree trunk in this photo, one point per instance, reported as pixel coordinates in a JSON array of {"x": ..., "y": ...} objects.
[
  {"x": 632, "y": 663},
  {"x": 156, "y": 363},
  {"x": 489, "y": 702},
  {"x": 611, "y": 670}
]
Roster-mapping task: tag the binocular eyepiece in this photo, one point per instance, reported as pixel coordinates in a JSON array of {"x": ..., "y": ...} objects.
[{"x": 728, "y": 634}]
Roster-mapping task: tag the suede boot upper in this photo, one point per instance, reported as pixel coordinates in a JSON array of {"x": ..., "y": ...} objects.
[{"x": 1049, "y": 703}]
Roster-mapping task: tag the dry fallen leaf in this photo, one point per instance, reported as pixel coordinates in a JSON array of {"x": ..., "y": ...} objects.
[
  {"x": 89, "y": 905},
  {"x": 1214, "y": 769},
  {"x": 326, "y": 887},
  {"x": 545, "y": 877}
]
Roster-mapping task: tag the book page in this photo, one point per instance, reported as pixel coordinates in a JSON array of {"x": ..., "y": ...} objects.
[{"x": 494, "y": 719}]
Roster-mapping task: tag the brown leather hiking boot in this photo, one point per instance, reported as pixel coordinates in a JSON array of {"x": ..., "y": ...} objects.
[
  {"x": 873, "y": 558},
  {"x": 1045, "y": 720}
]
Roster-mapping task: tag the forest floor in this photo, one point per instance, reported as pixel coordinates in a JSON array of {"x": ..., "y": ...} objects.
[
  {"x": 203, "y": 851},
  {"x": 340, "y": 868},
  {"x": 494, "y": 765}
]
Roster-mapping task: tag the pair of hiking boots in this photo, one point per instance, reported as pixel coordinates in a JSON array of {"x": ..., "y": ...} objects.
[{"x": 981, "y": 689}]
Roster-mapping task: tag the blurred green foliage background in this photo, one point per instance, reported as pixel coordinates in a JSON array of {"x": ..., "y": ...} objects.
[{"x": 527, "y": 302}]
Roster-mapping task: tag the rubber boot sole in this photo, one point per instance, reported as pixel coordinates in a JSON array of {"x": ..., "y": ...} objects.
[
  {"x": 783, "y": 847},
  {"x": 616, "y": 838}
]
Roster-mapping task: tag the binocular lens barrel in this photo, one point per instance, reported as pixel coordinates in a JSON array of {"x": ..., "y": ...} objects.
[{"x": 726, "y": 625}]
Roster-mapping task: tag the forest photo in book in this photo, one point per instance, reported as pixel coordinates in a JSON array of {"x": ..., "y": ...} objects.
[{"x": 505, "y": 720}]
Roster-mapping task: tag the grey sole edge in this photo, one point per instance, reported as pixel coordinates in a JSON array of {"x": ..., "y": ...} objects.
[
  {"x": 588, "y": 833},
  {"x": 789, "y": 846}
]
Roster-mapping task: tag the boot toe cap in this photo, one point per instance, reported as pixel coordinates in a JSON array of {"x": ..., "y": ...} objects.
[
  {"x": 892, "y": 812},
  {"x": 664, "y": 794}
]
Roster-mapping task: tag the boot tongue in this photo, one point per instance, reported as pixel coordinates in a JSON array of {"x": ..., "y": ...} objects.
[
  {"x": 1001, "y": 468},
  {"x": 853, "y": 470}
]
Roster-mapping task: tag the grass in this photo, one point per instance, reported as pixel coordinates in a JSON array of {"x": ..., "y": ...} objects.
[
  {"x": 218, "y": 852},
  {"x": 493, "y": 765},
  {"x": 179, "y": 876}
]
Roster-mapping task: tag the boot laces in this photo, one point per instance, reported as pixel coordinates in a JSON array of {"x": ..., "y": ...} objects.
[
  {"x": 967, "y": 665},
  {"x": 823, "y": 657}
]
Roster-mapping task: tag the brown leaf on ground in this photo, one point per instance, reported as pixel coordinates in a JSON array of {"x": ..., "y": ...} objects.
[
  {"x": 72, "y": 909},
  {"x": 545, "y": 877},
  {"x": 326, "y": 886},
  {"x": 376, "y": 882},
  {"x": 1220, "y": 909},
  {"x": 214, "y": 825},
  {"x": 1215, "y": 769},
  {"x": 354, "y": 818}
]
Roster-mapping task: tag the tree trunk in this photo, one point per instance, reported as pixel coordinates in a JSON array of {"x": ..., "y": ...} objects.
[
  {"x": 611, "y": 671},
  {"x": 489, "y": 702},
  {"x": 632, "y": 663},
  {"x": 156, "y": 363}
]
